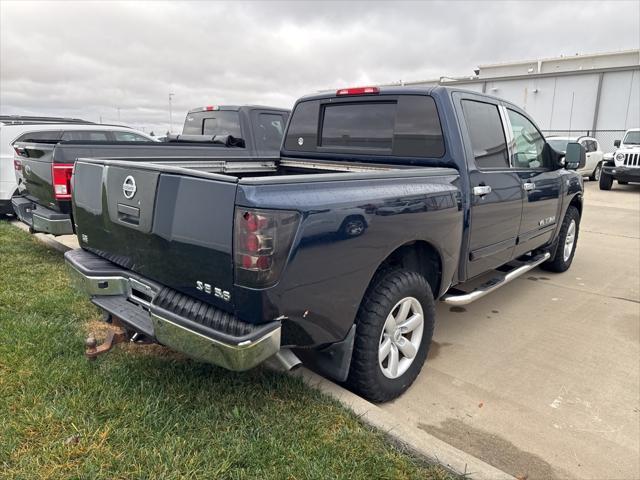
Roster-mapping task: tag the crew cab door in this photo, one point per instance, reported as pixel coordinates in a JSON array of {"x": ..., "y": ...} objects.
[
  {"x": 496, "y": 189},
  {"x": 540, "y": 182}
]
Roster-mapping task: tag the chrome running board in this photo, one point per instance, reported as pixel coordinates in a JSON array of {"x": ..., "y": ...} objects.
[{"x": 494, "y": 283}]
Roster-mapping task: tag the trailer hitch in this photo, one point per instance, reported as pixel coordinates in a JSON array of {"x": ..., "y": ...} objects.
[{"x": 115, "y": 336}]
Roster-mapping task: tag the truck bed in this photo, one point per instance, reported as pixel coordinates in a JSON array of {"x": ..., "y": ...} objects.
[{"x": 267, "y": 169}]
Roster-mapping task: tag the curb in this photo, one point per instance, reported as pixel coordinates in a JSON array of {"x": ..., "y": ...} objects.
[
  {"x": 48, "y": 240},
  {"x": 416, "y": 441}
]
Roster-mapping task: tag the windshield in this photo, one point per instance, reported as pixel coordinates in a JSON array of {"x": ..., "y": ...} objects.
[
  {"x": 558, "y": 144},
  {"x": 223, "y": 122},
  {"x": 632, "y": 138}
]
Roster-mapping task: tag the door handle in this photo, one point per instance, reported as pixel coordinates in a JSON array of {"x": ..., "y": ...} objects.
[
  {"x": 528, "y": 186},
  {"x": 481, "y": 190}
]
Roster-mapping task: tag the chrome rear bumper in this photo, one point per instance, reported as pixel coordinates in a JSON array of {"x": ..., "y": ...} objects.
[
  {"x": 130, "y": 298},
  {"x": 41, "y": 219}
]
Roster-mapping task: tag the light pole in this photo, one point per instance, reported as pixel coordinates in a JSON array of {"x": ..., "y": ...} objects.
[{"x": 170, "y": 113}]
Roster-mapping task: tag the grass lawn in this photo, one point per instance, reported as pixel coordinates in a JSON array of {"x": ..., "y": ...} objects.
[{"x": 144, "y": 412}]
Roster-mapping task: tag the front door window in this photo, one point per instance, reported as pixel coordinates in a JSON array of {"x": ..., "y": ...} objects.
[{"x": 528, "y": 149}]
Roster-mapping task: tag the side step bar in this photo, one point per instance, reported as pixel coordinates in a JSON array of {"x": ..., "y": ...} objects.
[{"x": 494, "y": 283}]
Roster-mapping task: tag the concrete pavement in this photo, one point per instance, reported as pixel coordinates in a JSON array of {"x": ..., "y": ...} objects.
[{"x": 542, "y": 378}]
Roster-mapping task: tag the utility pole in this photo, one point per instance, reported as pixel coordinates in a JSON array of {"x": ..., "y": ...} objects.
[{"x": 170, "y": 113}]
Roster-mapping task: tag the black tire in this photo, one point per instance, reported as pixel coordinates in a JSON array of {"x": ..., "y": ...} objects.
[
  {"x": 365, "y": 375},
  {"x": 622, "y": 182},
  {"x": 558, "y": 263},
  {"x": 606, "y": 181},
  {"x": 597, "y": 173}
]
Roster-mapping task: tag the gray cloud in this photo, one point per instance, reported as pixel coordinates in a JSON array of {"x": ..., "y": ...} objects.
[{"x": 89, "y": 59}]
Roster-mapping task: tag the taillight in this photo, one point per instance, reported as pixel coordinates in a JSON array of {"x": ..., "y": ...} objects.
[
  {"x": 262, "y": 240},
  {"x": 61, "y": 175},
  {"x": 21, "y": 151},
  {"x": 358, "y": 91},
  {"x": 17, "y": 164}
]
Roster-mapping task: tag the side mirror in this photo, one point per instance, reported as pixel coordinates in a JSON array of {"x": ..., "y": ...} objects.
[
  {"x": 616, "y": 143},
  {"x": 575, "y": 157}
]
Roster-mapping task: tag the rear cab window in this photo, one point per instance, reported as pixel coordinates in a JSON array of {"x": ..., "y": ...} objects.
[
  {"x": 215, "y": 122},
  {"x": 385, "y": 125}
]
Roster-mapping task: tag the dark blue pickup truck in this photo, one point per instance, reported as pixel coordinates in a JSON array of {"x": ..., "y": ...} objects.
[{"x": 382, "y": 201}]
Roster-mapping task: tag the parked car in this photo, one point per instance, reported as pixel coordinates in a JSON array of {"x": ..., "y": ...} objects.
[
  {"x": 227, "y": 264},
  {"x": 11, "y": 127},
  {"x": 595, "y": 155},
  {"x": 625, "y": 164},
  {"x": 43, "y": 168}
]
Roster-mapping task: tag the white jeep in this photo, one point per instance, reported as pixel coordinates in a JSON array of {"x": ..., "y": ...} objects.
[{"x": 625, "y": 163}]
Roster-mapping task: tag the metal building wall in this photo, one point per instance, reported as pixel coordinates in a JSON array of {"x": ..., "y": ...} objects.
[
  {"x": 602, "y": 104},
  {"x": 619, "y": 101}
]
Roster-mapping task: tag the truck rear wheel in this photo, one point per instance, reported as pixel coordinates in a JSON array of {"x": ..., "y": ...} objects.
[
  {"x": 394, "y": 328},
  {"x": 567, "y": 242},
  {"x": 605, "y": 182}
]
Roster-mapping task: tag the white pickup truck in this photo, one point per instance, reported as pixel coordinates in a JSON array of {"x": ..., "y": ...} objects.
[{"x": 625, "y": 165}]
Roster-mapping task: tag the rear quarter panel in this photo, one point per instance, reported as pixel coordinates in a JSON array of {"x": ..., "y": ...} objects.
[{"x": 329, "y": 269}]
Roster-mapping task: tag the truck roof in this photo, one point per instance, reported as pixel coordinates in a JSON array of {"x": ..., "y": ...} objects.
[
  {"x": 27, "y": 119},
  {"x": 397, "y": 90},
  {"x": 207, "y": 108}
]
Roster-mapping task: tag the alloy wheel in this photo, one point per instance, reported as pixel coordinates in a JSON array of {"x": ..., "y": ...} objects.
[{"x": 401, "y": 337}]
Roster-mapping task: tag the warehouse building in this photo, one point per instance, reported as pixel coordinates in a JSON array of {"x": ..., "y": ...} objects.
[{"x": 595, "y": 94}]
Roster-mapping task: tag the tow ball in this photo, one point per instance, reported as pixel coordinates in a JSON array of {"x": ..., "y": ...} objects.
[{"x": 116, "y": 335}]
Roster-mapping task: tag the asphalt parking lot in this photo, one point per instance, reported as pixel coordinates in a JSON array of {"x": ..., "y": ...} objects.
[{"x": 541, "y": 378}]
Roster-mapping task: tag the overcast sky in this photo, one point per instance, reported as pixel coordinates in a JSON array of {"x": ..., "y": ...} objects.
[{"x": 89, "y": 59}]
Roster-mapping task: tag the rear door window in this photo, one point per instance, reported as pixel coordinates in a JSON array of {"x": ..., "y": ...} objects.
[
  {"x": 403, "y": 126},
  {"x": 95, "y": 136},
  {"x": 586, "y": 144},
  {"x": 129, "y": 137},
  {"x": 486, "y": 134}
]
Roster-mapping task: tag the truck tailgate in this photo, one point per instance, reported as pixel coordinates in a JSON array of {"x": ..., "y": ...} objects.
[
  {"x": 172, "y": 228},
  {"x": 35, "y": 180}
]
